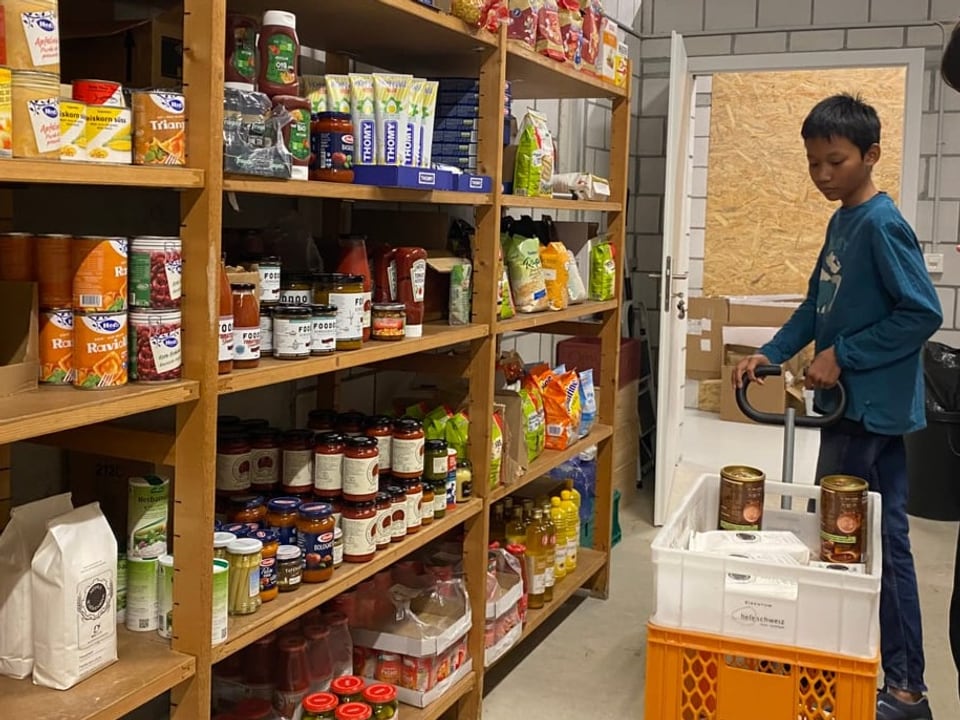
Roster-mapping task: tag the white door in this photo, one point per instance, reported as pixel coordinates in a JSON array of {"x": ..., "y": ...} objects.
[{"x": 673, "y": 279}]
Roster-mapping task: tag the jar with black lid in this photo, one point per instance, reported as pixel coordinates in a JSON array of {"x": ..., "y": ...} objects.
[
  {"x": 322, "y": 420},
  {"x": 297, "y": 453},
  {"x": 384, "y": 514},
  {"x": 360, "y": 469},
  {"x": 350, "y": 423},
  {"x": 380, "y": 427},
  {"x": 398, "y": 513}
]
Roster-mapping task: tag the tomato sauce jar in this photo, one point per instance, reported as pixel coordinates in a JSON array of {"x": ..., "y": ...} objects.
[
  {"x": 268, "y": 564},
  {"x": 380, "y": 427},
  {"x": 247, "y": 509},
  {"x": 361, "y": 472},
  {"x": 315, "y": 526},
  {"x": 414, "y": 492},
  {"x": 322, "y": 420},
  {"x": 350, "y": 423},
  {"x": 384, "y": 514},
  {"x": 328, "y": 453},
  {"x": 398, "y": 513},
  {"x": 297, "y": 461},
  {"x": 265, "y": 460},
  {"x": 407, "y": 451},
  {"x": 333, "y": 147},
  {"x": 282, "y": 513},
  {"x": 233, "y": 463},
  {"x": 359, "y": 525}
]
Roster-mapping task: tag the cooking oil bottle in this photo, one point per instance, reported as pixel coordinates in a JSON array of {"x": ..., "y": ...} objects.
[
  {"x": 550, "y": 535},
  {"x": 560, "y": 523},
  {"x": 573, "y": 528},
  {"x": 516, "y": 529},
  {"x": 568, "y": 483},
  {"x": 536, "y": 561},
  {"x": 527, "y": 509}
]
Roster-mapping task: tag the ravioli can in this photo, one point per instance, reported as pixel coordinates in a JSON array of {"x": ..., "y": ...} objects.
[
  {"x": 741, "y": 498},
  {"x": 56, "y": 346},
  {"x": 141, "y": 594},
  {"x": 17, "y": 251},
  {"x": 99, "y": 274},
  {"x": 100, "y": 350},
  {"x": 843, "y": 519}
]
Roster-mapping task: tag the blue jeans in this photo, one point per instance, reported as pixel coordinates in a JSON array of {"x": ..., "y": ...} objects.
[{"x": 881, "y": 461}]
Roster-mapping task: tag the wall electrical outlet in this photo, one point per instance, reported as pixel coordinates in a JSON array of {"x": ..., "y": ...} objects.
[{"x": 934, "y": 262}]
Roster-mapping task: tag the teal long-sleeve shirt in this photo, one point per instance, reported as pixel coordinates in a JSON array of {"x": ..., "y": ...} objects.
[{"x": 871, "y": 299}]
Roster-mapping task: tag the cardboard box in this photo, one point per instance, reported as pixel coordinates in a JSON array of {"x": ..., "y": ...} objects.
[
  {"x": 769, "y": 397},
  {"x": 706, "y": 317},
  {"x": 758, "y": 312},
  {"x": 708, "y": 395},
  {"x": 20, "y": 340},
  {"x": 584, "y": 352},
  {"x": 514, "y": 460}
]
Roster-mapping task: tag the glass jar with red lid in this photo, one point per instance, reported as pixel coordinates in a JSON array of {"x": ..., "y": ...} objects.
[
  {"x": 380, "y": 697},
  {"x": 354, "y": 711},
  {"x": 282, "y": 513},
  {"x": 297, "y": 461},
  {"x": 349, "y": 689},
  {"x": 350, "y": 423},
  {"x": 292, "y": 676},
  {"x": 384, "y": 514},
  {"x": 398, "y": 513},
  {"x": 322, "y": 420},
  {"x": 361, "y": 469},
  {"x": 265, "y": 460},
  {"x": 380, "y": 427},
  {"x": 318, "y": 655},
  {"x": 407, "y": 452},
  {"x": 320, "y": 706},
  {"x": 253, "y": 709},
  {"x": 233, "y": 462},
  {"x": 246, "y": 509},
  {"x": 359, "y": 524},
  {"x": 315, "y": 526},
  {"x": 328, "y": 450},
  {"x": 258, "y": 667}
]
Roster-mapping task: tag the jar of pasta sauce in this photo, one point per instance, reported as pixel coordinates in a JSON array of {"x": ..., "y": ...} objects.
[
  {"x": 384, "y": 514},
  {"x": 350, "y": 423},
  {"x": 247, "y": 509},
  {"x": 233, "y": 463},
  {"x": 398, "y": 513},
  {"x": 380, "y": 427},
  {"x": 282, "y": 513},
  {"x": 359, "y": 524},
  {"x": 337, "y": 504},
  {"x": 322, "y": 420},
  {"x": 268, "y": 564},
  {"x": 407, "y": 452},
  {"x": 328, "y": 452},
  {"x": 265, "y": 460},
  {"x": 414, "y": 491},
  {"x": 315, "y": 526},
  {"x": 361, "y": 472},
  {"x": 297, "y": 459}
]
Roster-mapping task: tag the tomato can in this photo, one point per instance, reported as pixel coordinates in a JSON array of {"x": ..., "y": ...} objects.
[
  {"x": 56, "y": 346},
  {"x": 100, "y": 350},
  {"x": 54, "y": 271},
  {"x": 100, "y": 274},
  {"x": 98, "y": 92},
  {"x": 843, "y": 518}
]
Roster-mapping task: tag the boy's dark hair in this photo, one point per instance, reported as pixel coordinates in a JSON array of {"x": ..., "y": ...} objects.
[
  {"x": 843, "y": 116},
  {"x": 950, "y": 63}
]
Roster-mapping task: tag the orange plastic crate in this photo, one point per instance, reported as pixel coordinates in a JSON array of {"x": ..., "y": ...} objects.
[{"x": 694, "y": 676}]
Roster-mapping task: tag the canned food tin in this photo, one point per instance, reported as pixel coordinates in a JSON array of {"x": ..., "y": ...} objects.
[
  {"x": 156, "y": 272},
  {"x": 56, "y": 346},
  {"x": 100, "y": 350},
  {"x": 32, "y": 35},
  {"x": 54, "y": 271},
  {"x": 843, "y": 518},
  {"x": 100, "y": 274},
  {"x": 741, "y": 498},
  {"x": 16, "y": 257},
  {"x": 156, "y": 350},
  {"x": 6, "y": 113},
  {"x": 98, "y": 92},
  {"x": 108, "y": 132},
  {"x": 35, "y": 103},
  {"x": 159, "y": 132},
  {"x": 73, "y": 130}
]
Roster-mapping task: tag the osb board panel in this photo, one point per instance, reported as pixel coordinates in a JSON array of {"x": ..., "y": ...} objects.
[{"x": 765, "y": 219}]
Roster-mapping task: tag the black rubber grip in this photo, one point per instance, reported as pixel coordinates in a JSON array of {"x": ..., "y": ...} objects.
[{"x": 766, "y": 418}]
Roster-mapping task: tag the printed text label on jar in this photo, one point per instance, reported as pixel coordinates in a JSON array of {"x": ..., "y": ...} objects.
[
  {"x": 360, "y": 476},
  {"x": 407, "y": 456},
  {"x": 297, "y": 468},
  {"x": 359, "y": 536},
  {"x": 328, "y": 471}
]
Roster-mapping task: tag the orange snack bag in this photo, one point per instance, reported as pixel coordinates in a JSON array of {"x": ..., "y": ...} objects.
[
  {"x": 561, "y": 404},
  {"x": 556, "y": 276}
]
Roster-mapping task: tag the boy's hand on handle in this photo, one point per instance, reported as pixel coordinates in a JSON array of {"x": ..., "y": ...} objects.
[
  {"x": 824, "y": 372},
  {"x": 748, "y": 367}
]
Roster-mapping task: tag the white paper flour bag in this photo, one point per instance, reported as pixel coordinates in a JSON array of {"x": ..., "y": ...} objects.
[
  {"x": 18, "y": 543},
  {"x": 74, "y": 591}
]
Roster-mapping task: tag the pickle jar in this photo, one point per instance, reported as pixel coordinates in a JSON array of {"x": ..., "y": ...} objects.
[
  {"x": 221, "y": 540},
  {"x": 244, "y": 556},
  {"x": 320, "y": 706},
  {"x": 354, "y": 711},
  {"x": 348, "y": 689},
  {"x": 382, "y": 699},
  {"x": 435, "y": 460}
]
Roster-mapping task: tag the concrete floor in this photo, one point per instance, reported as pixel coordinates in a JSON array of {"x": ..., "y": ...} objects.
[{"x": 590, "y": 660}]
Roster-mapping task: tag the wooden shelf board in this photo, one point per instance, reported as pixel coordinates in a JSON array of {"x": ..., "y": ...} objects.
[
  {"x": 146, "y": 668},
  {"x": 397, "y": 35},
  {"x": 345, "y": 191},
  {"x": 245, "y": 629},
  {"x": 77, "y": 173},
  {"x": 443, "y": 703},
  {"x": 544, "y": 203},
  {"x": 48, "y": 410},
  {"x": 272, "y": 371},
  {"x": 522, "y": 322},
  {"x": 550, "y": 459},
  {"x": 589, "y": 562},
  {"x": 534, "y": 76}
]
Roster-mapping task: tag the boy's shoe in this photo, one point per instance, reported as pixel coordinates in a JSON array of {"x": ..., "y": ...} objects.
[{"x": 890, "y": 707}]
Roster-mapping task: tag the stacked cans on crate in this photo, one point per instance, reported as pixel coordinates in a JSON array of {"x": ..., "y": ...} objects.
[{"x": 455, "y": 131}]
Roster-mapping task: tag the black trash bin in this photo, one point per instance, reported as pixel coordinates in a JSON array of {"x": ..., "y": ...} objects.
[{"x": 933, "y": 454}]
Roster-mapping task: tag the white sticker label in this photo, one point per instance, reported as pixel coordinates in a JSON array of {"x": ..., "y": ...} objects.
[
  {"x": 705, "y": 346},
  {"x": 407, "y": 456},
  {"x": 226, "y": 338},
  {"x": 440, "y": 466},
  {"x": 328, "y": 471},
  {"x": 173, "y": 269},
  {"x": 414, "y": 501},
  {"x": 359, "y": 536},
  {"x": 418, "y": 278},
  {"x": 297, "y": 468},
  {"x": 294, "y": 297},
  {"x": 324, "y": 335},
  {"x": 707, "y": 324},
  {"x": 694, "y": 326},
  {"x": 269, "y": 284},
  {"x": 166, "y": 351},
  {"x": 360, "y": 476},
  {"x": 45, "y": 118},
  {"x": 350, "y": 307},
  {"x": 292, "y": 337},
  {"x": 43, "y": 38},
  {"x": 367, "y": 309},
  {"x": 264, "y": 466},
  {"x": 266, "y": 335},
  {"x": 384, "y": 444},
  {"x": 246, "y": 343},
  {"x": 233, "y": 471}
]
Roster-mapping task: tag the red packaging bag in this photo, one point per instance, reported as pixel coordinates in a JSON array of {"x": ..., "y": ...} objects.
[
  {"x": 549, "y": 39},
  {"x": 522, "y": 24},
  {"x": 571, "y": 30},
  {"x": 590, "y": 47}
]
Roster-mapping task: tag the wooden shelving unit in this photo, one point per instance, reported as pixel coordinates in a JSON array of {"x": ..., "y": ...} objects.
[{"x": 403, "y": 36}]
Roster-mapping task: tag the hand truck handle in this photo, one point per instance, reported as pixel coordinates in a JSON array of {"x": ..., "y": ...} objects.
[{"x": 766, "y": 418}]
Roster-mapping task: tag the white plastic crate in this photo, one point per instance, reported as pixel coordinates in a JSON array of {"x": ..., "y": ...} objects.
[{"x": 831, "y": 611}]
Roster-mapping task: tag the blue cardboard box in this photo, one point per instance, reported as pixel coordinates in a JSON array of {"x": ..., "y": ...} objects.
[
  {"x": 406, "y": 177},
  {"x": 457, "y": 137},
  {"x": 446, "y": 124},
  {"x": 473, "y": 183},
  {"x": 457, "y": 111}
]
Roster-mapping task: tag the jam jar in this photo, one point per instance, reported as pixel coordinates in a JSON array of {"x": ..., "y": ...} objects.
[
  {"x": 361, "y": 472},
  {"x": 247, "y": 509},
  {"x": 349, "y": 688},
  {"x": 398, "y": 513},
  {"x": 407, "y": 453},
  {"x": 380, "y": 427},
  {"x": 289, "y": 568},
  {"x": 350, "y": 423},
  {"x": 282, "y": 515},
  {"x": 265, "y": 460},
  {"x": 315, "y": 526},
  {"x": 328, "y": 452},
  {"x": 297, "y": 461},
  {"x": 384, "y": 514},
  {"x": 322, "y": 420},
  {"x": 233, "y": 462},
  {"x": 359, "y": 525},
  {"x": 414, "y": 492}
]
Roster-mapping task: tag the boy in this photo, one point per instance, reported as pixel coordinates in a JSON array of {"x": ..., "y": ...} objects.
[{"x": 870, "y": 307}]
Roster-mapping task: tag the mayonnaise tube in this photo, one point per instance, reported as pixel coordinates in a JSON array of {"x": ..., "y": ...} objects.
[
  {"x": 412, "y": 139},
  {"x": 428, "y": 111},
  {"x": 390, "y": 92},
  {"x": 338, "y": 94},
  {"x": 364, "y": 119}
]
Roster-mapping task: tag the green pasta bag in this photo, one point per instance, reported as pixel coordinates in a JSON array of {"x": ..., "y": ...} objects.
[
  {"x": 534, "y": 155},
  {"x": 603, "y": 271},
  {"x": 534, "y": 428},
  {"x": 496, "y": 449},
  {"x": 435, "y": 423},
  {"x": 457, "y": 433}
]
